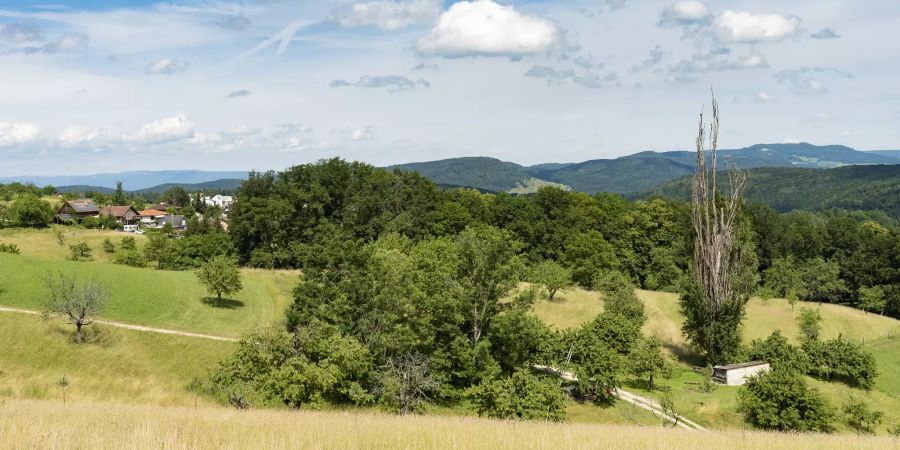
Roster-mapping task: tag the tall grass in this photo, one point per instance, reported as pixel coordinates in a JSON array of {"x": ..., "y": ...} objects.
[{"x": 52, "y": 424}]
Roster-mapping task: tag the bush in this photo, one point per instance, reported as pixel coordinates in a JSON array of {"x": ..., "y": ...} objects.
[
  {"x": 9, "y": 248},
  {"x": 30, "y": 211},
  {"x": 841, "y": 360},
  {"x": 108, "y": 246},
  {"x": 776, "y": 350},
  {"x": 781, "y": 400},
  {"x": 313, "y": 366},
  {"x": 128, "y": 243},
  {"x": 860, "y": 417},
  {"x": 619, "y": 297},
  {"x": 131, "y": 258},
  {"x": 80, "y": 251},
  {"x": 521, "y": 396}
]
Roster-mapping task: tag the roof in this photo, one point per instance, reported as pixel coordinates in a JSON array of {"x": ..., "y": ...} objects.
[
  {"x": 152, "y": 212},
  {"x": 174, "y": 220},
  {"x": 741, "y": 365},
  {"x": 83, "y": 205},
  {"x": 159, "y": 207},
  {"x": 116, "y": 211}
]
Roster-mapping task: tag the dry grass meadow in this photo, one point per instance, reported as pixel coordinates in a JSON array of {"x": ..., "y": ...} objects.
[{"x": 76, "y": 425}]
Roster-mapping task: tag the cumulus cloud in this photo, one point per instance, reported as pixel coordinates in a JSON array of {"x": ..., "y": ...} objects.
[
  {"x": 716, "y": 60},
  {"x": 656, "y": 56},
  {"x": 167, "y": 66},
  {"x": 745, "y": 27},
  {"x": 684, "y": 13},
  {"x": 486, "y": 28},
  {"x": 387, "y": 14},
  {"x": 809, "y": 80},
  {"x": 68, "y": 43},
  {"x": 238, "y": 93},
  {"x": 14, "y": 134},
  {"x": 825, "y": 33},
  {"x": 168, "y": 129},
  {"x": 394, "y": 83},
  {"x": 587, "y": 79},
  {"x": 79, "y": 136}
]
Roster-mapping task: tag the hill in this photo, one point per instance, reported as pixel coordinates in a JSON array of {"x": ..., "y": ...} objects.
[
  {"x": 717, "y": 409},
  {"x": 134, "y": 180},
  {"x": 890, "y": 153},
  {"x": 477, "y": 172},
  {"x": 633, "y": 173},
  {"x": 223, "y": 185},
  {"x": 870, "y": 188}
]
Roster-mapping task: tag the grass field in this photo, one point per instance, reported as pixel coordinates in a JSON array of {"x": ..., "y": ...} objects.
[
  {"x": 168, "y": 299},
  {"x": 880, "y": 335},
  {"x": 52, "y": 424},
  {"x": 114, "y": 364},
  {"x": 43, "y": 244}
]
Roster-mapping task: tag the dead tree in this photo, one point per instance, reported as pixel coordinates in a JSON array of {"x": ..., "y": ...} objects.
[
  {"x": 406, "y": 381},
  {"x": 78, "y": 302},
  {"x": 714, "y": 304}
]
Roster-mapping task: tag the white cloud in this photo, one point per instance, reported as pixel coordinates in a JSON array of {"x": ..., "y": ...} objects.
[
  {"x": 485, "y": 28},
  {"x": 283, "y": 37},
  {"x": 587, "y": 79},
  {"x": 684, "y": 13},
  {"x": 764, "y": 97},
  {"x": 747, "y": 27},
  {"x": 167, "y": 66},
  {"x": 808, "y": 80},
  {"x": 19, "y": 33},
  {"x": 387, "y": 14},
  {"x": 14, "y": 134},
  {"x": 394, "y": 83},
  {"x": 716, "y": 60},
  {"x": 79, "y": 136},
  {"x": 164, "y": 130},
  {"x": 366, "y": 133}
]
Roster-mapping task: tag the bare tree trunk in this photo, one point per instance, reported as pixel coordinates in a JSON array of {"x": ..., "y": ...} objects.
[{"x": 78, "y": 326}]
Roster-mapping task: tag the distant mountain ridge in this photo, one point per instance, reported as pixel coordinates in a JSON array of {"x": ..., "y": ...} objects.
[
  {"x": 131, "y": 181},
  {"x": 227, "y": 184},
  {"x": 638, "y": 172}
]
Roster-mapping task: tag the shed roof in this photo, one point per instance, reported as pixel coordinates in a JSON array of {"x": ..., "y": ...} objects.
[{"x": 741, "y": 365}]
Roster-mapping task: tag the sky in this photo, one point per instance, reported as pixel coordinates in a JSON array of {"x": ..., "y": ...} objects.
[{"x": 115, "y": 85}]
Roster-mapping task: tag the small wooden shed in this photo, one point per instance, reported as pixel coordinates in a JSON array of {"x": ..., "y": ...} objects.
[{"x": 737, "y": 374}]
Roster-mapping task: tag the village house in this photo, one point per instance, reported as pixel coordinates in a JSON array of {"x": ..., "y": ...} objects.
[
  {"x": 125, "y": 215},
  {"x": 73, "y": 210},
  {"x": 176, "y": 221},
  {"x": 151, "y": 216},
  {"x": 222, "y": 201},
  {"x": 737, "y": 374}
]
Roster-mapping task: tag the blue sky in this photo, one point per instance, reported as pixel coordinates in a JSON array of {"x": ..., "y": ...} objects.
[{"x": 101, "y": 86}]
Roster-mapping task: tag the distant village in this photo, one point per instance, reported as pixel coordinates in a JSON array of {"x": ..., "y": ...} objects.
[{"x": 129, "y": 219}]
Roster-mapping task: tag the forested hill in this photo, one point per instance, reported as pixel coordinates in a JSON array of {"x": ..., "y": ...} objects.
[
  {"x": 868, "y": 188},
  {"x": 634, "y": 173}
]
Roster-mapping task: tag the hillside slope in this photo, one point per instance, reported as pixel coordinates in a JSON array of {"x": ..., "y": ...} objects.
[
  {"x": 873, "y": 188},
  {"x": 477, "y": 172}
]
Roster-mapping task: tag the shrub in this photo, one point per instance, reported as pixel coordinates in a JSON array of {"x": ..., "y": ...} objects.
[
  {"x": 841, "y": 360},
  {"x": 108, "y": 246},
  {"x": 315, "y": 365},
  {"x": 9, "y": 248},
  {"x": 776, "y": 350},
  {"x": 30, "y": 211},
  {"x": 809, "y": 321},
  {"x": 131, "y": 258},
  {"x": 80, "y": 251},
  {"x": 781, "y": 400},
  {"x": 521, "y": 396},
  {"x": 860, "y": 417},
  {"x": 128, "y": 243}
]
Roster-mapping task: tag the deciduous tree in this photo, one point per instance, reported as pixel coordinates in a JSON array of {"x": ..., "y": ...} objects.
[{"x": 79, "y": 302}]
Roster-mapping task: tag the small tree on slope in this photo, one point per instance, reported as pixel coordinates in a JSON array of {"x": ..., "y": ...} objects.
[
  {"x": 221, "y": 276},
  {"x": 78, "y": 302}
]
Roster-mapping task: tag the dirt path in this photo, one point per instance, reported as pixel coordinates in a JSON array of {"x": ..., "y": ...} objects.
[
  {"x": 129, "y": 326},
  {"x": 630, "y": 397}
]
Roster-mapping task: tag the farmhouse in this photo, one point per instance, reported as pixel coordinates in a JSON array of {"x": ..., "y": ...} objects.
[
  {"x": 125, "y": 215},
  {"x": 76, "y": 210},
  {"x": 737, "y": 374},
  {"x": 151, "y": 216}
]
